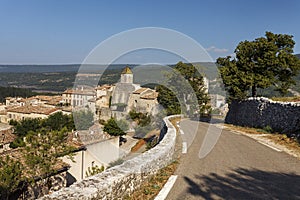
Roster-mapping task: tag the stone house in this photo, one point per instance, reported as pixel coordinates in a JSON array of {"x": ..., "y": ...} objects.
[
  {"x": 128, "y": 96},
  {"x": 143, "y": 100},
  {"x": 78, "y": 97},
  {"x": 23, "y": 112},
  {"x": 6, "y": 137}
]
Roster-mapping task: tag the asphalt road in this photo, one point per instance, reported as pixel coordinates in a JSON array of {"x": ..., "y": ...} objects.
[{"x": 237, "y": 167}]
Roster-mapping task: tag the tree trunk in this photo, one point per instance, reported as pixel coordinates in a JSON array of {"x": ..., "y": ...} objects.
[{"x": 254, "y": 91}]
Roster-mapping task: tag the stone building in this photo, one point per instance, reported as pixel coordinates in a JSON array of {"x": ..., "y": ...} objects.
[
  {"x": 128, "y": 96},
  {"x": 24, "y": 112},
  {"x": 78, "y": 97},
  {"x": 143, "y": 100},
  {"x": 124, "y": 88},
  {"x": 6, "y": 137}
]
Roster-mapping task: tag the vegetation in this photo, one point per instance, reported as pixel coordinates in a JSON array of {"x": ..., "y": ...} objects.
[
  {"x": 152, "y": 186},
  {"x": 145, "y": 122},
  {"x": 43, "y": 151},
  {"x": 177, "y": 88},
  {"x": 264, "y": 62},
  {"x": 286, "y": 99},
  {"x": 27, "y": 126},
  {"x": 113, "y": 129},
  {"x": 46, "y": 140},
  {"x": 83, "y": 119},
  {"x": 11, "y": 176},
  {"x": 14, "y": 92},
  {"x": 91, "y": 171},
  {"x": 56, "y": 82}
]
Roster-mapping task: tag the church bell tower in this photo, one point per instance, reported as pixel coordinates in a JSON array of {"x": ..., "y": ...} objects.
[{"x": 127, "y": 75}]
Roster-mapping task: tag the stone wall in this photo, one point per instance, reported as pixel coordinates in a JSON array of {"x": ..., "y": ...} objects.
[
  {"x": 283, "y": 117},
  {"x": 122, "y": 180}
]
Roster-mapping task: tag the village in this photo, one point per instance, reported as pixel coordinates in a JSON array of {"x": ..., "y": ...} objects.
[{"x": 95, "y": 149}]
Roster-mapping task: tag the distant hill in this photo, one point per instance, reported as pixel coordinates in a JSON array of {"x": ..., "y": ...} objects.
[{"x": 298, "y": 55}]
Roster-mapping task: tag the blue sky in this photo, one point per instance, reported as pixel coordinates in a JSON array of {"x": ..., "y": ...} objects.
[{"x": 65, "y": 31}]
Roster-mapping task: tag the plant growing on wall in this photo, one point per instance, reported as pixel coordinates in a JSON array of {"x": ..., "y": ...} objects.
[{"x": 91, "y": 171}]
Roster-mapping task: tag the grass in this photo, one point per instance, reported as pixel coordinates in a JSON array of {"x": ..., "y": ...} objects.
[
  {"x": 150, "y": 188},
  {"x": 286, "y": 99}
]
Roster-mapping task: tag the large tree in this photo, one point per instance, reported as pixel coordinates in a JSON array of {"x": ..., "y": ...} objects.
[
  {"x": 266, "y": 61},
  {"x": 187, "y": 84}
]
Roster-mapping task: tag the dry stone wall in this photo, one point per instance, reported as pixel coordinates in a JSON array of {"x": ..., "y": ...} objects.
[
  {"x": 260, "y": 112},
  {"x": 122, "y": 180}
]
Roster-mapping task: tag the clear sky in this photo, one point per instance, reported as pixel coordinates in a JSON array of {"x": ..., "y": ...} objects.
[{"x": 65, "y": 31}]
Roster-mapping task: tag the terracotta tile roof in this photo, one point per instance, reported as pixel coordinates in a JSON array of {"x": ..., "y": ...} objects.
[
  {"x": 33, "y": 109},
  {"x": 55, "y": 100},
  {"x": 6, "y": 136}
]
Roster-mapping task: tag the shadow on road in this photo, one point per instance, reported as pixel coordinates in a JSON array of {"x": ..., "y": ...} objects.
[
  {"x": 246, "y": 184},
  {"x": 208, "y": 120}
]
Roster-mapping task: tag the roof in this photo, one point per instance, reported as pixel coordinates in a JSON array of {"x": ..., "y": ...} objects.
[
  {"x": 33, "y": 109},
  {"x": 127, "y": 70},
  {"x": 82, "y": 92},
  {"x": 141, "y": 90},
  {"x": 6, "y": 136},
  {"x": 150, "y": 95},
  {"x": 101, "y": 87}
]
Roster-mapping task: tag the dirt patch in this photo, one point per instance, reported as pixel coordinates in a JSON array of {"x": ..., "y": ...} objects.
[{"x": 138, "y": 145}]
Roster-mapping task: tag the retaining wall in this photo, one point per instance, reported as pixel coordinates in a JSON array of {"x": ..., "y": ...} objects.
[
  {"x": 122, "y": 180},
  {"x": 283, "y": 117}
]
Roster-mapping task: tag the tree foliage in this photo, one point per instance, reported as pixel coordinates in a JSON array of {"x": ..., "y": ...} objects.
[
  {"x": 14, "y": 92},
  {"x": 43, "y": 149},
  {"x": 23, "y": 128},
  {"x": 266, "y": 61},
  {"x": 83, "y": 119},
  {"x": 185, "y": 77},
  {"x": 11, "y": 176},
  {"x": 113, "y": 128}
]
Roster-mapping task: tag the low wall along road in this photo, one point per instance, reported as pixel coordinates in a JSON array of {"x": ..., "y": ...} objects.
[{"x": 121, "y": 180}]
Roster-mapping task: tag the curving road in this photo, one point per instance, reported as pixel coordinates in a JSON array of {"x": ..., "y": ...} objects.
[{"x": 238, "y": 167}]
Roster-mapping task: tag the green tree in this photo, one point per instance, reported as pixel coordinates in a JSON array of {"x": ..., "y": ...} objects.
[
  {"x": 21, "y": 128},
  {"x": 83, "y": 119},
  {"x": 43, "y": 151},
  {"x": 183, "y": 79},
  {"x": 11, "y": 176},
  {"x": 266, "y": 61},
  {"x": 58, "y": 120},
  {"x": 112, "y": 128}
]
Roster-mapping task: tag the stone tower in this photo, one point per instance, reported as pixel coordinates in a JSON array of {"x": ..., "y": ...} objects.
[
  {"x": 124, "y": 88},
  {"x": 126, "y": 75}
]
